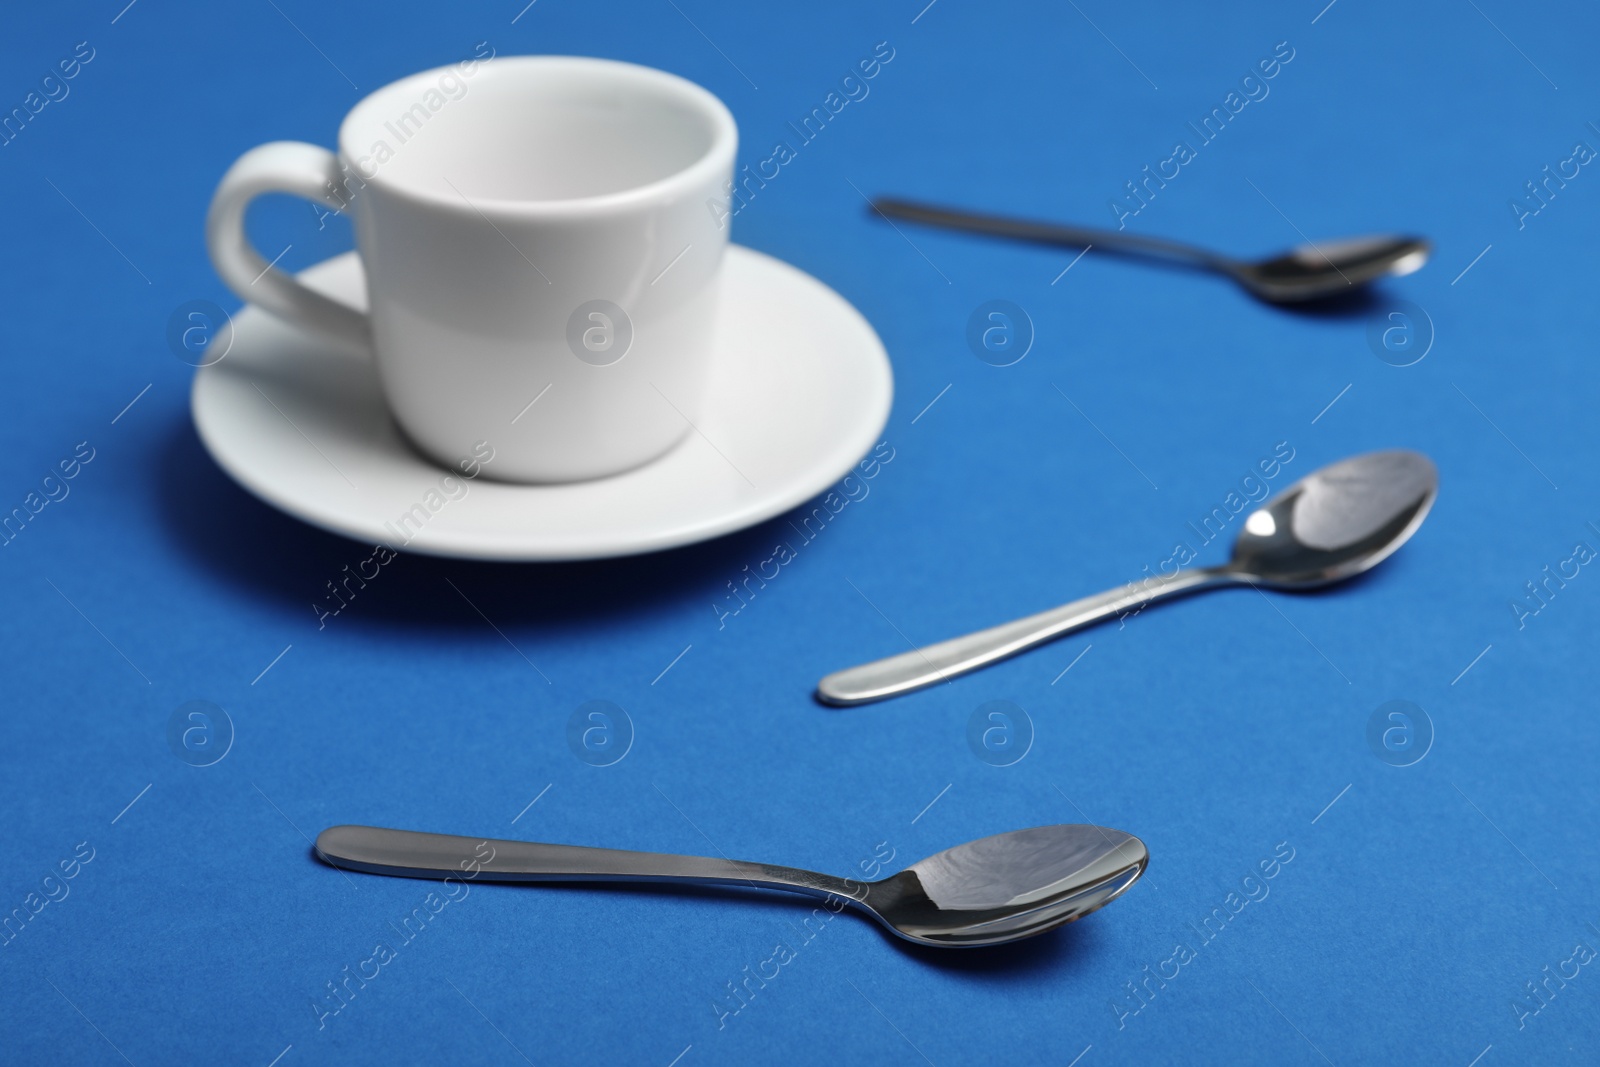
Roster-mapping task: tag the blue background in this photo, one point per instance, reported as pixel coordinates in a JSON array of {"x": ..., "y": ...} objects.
[{"x": 1416, "y": 906}]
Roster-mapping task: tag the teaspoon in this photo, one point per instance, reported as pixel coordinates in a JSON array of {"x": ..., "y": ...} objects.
[
  {"x": 1334, "y": 523},
  {"x": 1309, "y": 272},
  {"x": 986, "y": 892}
]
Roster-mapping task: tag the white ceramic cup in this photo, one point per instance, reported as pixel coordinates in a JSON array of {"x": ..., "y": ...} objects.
[{"x": 542, "y": 249}]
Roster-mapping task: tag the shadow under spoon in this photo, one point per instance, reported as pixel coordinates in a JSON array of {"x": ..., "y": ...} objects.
[
  {"x": 1332, "y": 524},
  {"x": 986, "y": 892},
  {"x": 1308, "y": 273}
]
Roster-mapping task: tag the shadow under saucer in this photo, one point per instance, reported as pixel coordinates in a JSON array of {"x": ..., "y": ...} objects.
[{"x": 269, "y": 555}]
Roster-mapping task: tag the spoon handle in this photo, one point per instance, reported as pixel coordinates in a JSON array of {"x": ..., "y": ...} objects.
[
  {"x": 939, "y": 663},
  {"x": 410, "y": 854},
  {"x": 1049, "y": 233}
]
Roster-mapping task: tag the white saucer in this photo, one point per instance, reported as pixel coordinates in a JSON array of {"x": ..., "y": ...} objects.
[{"x": 800, "y": 390}]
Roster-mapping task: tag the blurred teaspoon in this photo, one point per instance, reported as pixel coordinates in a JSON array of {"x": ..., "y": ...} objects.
[
  {"x": 986, "y": 892},
  {"x": 1309, "y": 272},
  {"x": 1334, "y": 523}
]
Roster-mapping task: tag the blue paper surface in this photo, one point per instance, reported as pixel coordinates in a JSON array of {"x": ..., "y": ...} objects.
[{"x": 1445, "y": 911}]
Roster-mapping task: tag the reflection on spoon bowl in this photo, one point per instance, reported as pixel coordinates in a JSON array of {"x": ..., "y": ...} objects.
[
  {"x": 1336, "y": 522},
  {"x": 1008, "y": 887},
  {"x": 1331, "y": 268}
]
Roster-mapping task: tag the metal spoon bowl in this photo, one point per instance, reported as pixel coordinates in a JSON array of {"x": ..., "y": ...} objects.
[
  {"x": 1334, "y": 523},
  {"x": 1330, "y": 268},
  {"x": 986, "y": 892},
  {"x": 1007, "y": 887},
  {"x": 1308, "y": 273}
]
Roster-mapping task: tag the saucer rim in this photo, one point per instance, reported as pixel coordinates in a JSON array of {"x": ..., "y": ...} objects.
[{"x": 459, "y": 543}]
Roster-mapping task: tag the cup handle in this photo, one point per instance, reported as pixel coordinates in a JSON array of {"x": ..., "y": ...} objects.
[{"x": 305, "y": 170}]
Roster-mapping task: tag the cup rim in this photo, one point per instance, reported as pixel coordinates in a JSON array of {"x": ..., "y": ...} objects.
[{"x": 716, "y": 160}]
